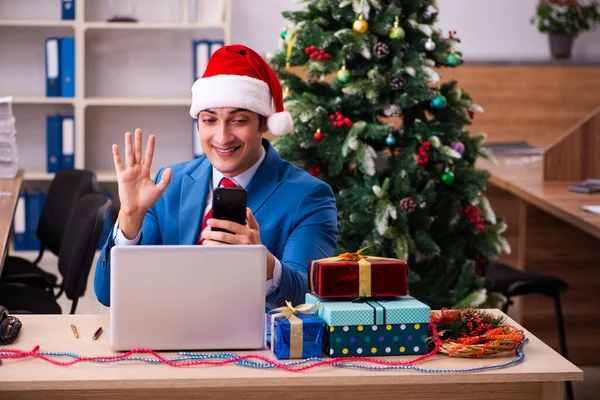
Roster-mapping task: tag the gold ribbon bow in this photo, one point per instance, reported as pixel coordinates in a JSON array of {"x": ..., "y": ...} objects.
[
  {"x": 289, "y": 313},
  {"x": 364, "y": 269}
]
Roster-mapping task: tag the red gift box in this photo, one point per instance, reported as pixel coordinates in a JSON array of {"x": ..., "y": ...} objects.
[{"x": 351, "y": 275}]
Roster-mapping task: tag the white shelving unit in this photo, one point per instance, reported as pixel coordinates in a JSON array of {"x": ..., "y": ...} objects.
[
  {"x": 42, "y": 100},
  {"x": 137, "y": 101},
  {"x": 36, "y": 22},
  {"x": 148, "y": 25},
  {"x": 127, "y": 75}
]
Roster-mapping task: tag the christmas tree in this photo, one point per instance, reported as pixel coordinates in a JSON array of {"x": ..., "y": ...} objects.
[{"x": 362, "y": 81}]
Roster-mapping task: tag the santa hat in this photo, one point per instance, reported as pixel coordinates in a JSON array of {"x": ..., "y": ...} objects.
[{"x": 237, "y": 76}]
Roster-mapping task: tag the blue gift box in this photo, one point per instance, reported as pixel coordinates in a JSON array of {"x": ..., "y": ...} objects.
[
  {"x": 281, "y": 333},
  {"x": 395, "y": 326},
  {"x": 396, "y": 310}
]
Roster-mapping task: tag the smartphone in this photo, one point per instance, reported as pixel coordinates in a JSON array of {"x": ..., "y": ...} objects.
[{"x": 229, "y": 204}]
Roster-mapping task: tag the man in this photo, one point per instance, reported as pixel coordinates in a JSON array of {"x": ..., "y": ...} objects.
[{"x": 290, "y": 212}]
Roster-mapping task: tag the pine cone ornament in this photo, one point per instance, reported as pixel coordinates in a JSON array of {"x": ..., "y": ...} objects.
[
  {"x": 381, "y": 50},
  {"x": 392, "y": 111},
  {"x": 396, "y": 84},
  {"x": 407, "y": 205},
  {"x": 468, "y": 315}
]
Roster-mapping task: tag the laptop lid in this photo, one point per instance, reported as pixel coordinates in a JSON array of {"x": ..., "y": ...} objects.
[{"x": 187, "y": 297}]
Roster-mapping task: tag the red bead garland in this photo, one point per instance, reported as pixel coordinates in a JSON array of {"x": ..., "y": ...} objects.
[{"x": 35, "y": 353}]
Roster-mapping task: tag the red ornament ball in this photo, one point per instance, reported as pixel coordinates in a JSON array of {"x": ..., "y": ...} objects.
[{"x": 318, "y": 135}]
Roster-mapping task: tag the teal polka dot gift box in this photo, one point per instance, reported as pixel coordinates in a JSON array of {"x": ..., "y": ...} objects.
[{"x": 396, "y": 326}]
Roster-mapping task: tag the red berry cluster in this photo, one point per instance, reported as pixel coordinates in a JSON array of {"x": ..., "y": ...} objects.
[
  {"x": 471, "y": 114},
  {"x": 451, "y": 34},
  {"x": 423, "y": 157},
  {"x": 318, "y": 54},
  {"x": 480, "y": 329},
  {"x": 480, "y": 264},
  {"x": 339, "y": 120},
  {"x": 314, "y": 171},
  {"x": 474, "y": 217}
]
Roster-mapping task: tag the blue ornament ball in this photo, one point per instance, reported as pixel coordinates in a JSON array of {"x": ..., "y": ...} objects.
[
  {"x": 439, "y": 103},
  {"x": 452, "y": 59},
  {"x": 390, "y": 140}
]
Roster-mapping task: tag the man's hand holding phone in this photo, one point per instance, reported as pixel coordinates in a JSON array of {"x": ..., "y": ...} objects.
[
  {"x": 232, "y": 232},
  {"x": 229, "y": 232}
]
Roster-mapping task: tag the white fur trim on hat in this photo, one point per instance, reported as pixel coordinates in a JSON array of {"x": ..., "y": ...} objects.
[
  {"x": 231, "y": 91},
  {"x": 280, "y": 123}
]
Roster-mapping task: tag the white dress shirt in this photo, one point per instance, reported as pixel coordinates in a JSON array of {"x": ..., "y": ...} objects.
[{"x": 242, "y": 180}]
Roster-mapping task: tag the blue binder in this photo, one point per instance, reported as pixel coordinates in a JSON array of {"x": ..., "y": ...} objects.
[
  {"x": 52, "y": 67},
  {"x": 53, "y": 143},
  {"x": 201, "y": 50},
  {"x": 67, "y": 67},
  {"x": 68, "y": 142},
  {"x": 20, "y": 225},
  {"x": 68, "y": 9},
  {"x": 108, "y": 224},
  {"x": 32, "y": 217},
  {"x": 215, "y": 45}
]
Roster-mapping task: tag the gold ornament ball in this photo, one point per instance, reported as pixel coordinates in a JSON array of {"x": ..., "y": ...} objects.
[
  {"x": 397, "y": 33},
  {"x": 360, "y": 26}
]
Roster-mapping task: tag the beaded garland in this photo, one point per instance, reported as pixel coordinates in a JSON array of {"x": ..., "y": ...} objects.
[{"x": 188, "y": 359}]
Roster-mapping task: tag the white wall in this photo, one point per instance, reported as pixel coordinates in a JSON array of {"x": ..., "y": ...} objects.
[{"x": 490, "y": 30}]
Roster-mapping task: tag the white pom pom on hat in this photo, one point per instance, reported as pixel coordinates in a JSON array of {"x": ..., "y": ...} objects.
[{"x": 237, "y": 76}]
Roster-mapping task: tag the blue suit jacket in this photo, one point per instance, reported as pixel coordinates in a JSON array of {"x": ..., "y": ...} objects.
[{"x": 296, "y": 213}]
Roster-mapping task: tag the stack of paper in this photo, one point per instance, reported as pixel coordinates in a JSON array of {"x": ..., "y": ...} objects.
[
  {"x": 8, "y": 145},
  {"x": 592, "y": 209}
]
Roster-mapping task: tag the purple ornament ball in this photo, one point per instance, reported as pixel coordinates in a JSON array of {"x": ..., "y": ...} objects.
[{"x": 459, "y": 147}]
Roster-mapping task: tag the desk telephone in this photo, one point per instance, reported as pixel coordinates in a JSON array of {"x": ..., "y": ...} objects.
[{"x": 9, "y": 327}]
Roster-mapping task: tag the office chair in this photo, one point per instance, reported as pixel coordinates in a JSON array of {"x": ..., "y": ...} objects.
[
  {"x": 81, "y": 237},
  {"x": 67, "y": 187},
  {"x": 512, "y": 282}
]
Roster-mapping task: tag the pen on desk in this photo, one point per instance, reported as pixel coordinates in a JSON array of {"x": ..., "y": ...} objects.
[
  {"x": 97, "y": 333},
  {"x": 75, "y": 333}
]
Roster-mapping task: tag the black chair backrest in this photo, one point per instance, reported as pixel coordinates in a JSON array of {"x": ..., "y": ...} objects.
[
  {"x": 67, "y": 187},
  {"x": 81, "y": 238}
]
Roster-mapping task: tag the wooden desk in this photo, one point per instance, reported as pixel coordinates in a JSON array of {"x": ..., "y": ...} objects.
[
  {"x": 550, "y": 234},
  {"x": 539, "y": 376},
  {"x": 8, "y": 204},
  {"x": 525, "y": 181}
]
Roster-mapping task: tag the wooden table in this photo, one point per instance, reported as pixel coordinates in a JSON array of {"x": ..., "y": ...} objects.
[
  {"x": 8, "y": 204},
  {"x": 550, "y": 234},
  {"x": 539, "y": 376}
]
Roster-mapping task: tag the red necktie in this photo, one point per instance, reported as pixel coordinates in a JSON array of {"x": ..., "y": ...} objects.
[{"x": 225, "y": 182}]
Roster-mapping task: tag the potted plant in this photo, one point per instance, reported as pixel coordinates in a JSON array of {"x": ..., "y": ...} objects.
[{"x": 564, "y": 20}]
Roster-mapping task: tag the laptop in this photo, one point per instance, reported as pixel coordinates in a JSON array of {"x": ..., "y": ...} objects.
[{"x": 187, "y": 297}]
